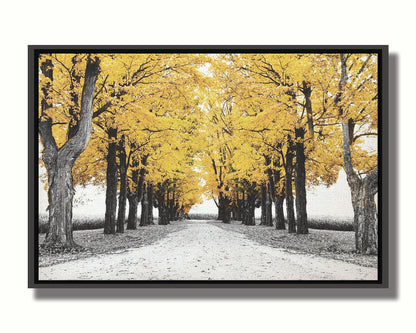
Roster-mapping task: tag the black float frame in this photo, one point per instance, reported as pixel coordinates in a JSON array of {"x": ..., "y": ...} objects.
[{"x": 383, "y": 153}]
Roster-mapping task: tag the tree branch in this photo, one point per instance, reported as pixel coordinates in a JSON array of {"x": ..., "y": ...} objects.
[
  {"x": 101, "y": 109},
  {"x": 102, "y": 87},
  {"x": 364, "y": 134}
]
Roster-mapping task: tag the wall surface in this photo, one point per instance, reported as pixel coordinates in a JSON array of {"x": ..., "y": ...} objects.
[{"x": 208, "y": 22}]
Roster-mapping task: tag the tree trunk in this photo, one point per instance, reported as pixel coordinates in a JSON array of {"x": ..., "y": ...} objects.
[
  {"x": 60, "y": 195},
  {"x": 225, "y": 208},
  {"x": 300, "y": 183},
  {"x": 121, "y": 218},
  {"x": 234, "y": 212},
  {"x": 145, "y": 208},
  {"x": 227, "y": 212},
  {"x": 163, "y": 215},
  {"x": 220, "y": 207},
  {"x": 362, "y": 191},
  {"x": 288, "y": 186},
  {"x": 263, "y": 204},
  {"x": 111, "y": 190},
  {"x": 162, "y": 202},
  {"x": 59, "y": 162},
  {"x": 172, "y": 207},
  {"x": 307, "y": 92},
  {"x": 365, "y": 215},
  {"x": 137, "y": 179},
  {"x": 150, "y": 199},
  {"x": 142, "y": 176},
  {"x": 268, "y": 217},
  {"x": 250, "y": 206},
  {"x": 278, "y": 195},
  {"x": 132, "y": 217},
  {"x": 278, "y": 208},
  {"x": 220, "y": 213},
  {"x": 133, "y": 202},
  {"x": 243, "y": 207},
  {"x": 362, "y": 198},
  {"x": 238, "y": 208}
]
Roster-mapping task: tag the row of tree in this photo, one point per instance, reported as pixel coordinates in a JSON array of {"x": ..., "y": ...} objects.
[
  {"x": 281, "y": 122},
  {"x": 259, "y": 128},
  {"x": 133, "y": 117}
]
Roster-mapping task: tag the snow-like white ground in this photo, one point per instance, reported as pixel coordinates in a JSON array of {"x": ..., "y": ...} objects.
[{"x": 203, "y": 251}]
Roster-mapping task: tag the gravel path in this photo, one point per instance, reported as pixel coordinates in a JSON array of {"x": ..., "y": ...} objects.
[{"x": 205, "y": 252}]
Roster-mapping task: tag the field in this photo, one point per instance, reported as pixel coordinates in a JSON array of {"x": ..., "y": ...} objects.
[{"x": 321, "y": 222}]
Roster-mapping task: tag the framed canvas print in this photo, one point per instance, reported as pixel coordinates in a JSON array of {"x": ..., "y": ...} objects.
[{"x": 208, "y": 166}]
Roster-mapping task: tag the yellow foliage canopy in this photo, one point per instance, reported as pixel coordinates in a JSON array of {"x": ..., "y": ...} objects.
[{"x": 209, "y": 123}]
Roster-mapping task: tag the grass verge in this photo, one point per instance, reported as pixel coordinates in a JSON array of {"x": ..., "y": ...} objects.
[
  {"x": 84, "y": 223},
  {"x": 321, "y": 222},
  {"x": 331, "y": 244},
  {"x": 94, "y": 242}
]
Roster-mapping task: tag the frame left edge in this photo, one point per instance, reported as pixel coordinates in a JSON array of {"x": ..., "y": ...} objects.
[{"x": 31, "y": 170}]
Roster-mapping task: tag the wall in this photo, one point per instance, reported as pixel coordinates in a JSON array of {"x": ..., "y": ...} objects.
[{"x": 210, "y": 22}]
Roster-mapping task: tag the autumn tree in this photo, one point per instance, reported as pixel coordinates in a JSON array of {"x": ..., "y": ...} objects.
[
  {"x": 288, "y": 94},
  {"x": 357, "y": 111},
  {"x": 137, "y": 92},
  {"x": 60, "y": 155},
  {"x": 216, "y": 160},
  {"x": 258, "y": 128}
]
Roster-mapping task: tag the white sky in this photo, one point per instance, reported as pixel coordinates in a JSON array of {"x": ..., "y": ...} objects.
[{"x": 334, "y": 201}]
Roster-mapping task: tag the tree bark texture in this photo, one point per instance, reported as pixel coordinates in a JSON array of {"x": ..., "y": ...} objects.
[
  {"x": 300, "y": 183},
  {"x": 268, "y": 218},
  {"x": 288, "y": 186},
  {"x": 362, "y": 198},
  {"x": 239, "y": 207},
  {"x": 163, "y": 215},
  {"x": 133, "y": 202},
  {"x": 145, "y": 208},
  {"x": 234, "y": 212},
  {"x": 132, "y": 217},
  {"x": 121, "y": 217},
  {"x": 224, "y": 208},
  {"x": 220, "y": 212},
  {"x": 362, "y": 190},
  {"x": 162, "y": 201},
  {"x": 59, "y": 161},
  {"x": 136, "y": 195},
  {"x": 278, "y": 201},
  {"x": 224, "y": 203},
  {"x": 150, "y": 199},
  {"x": 275, "y": 195},
  {"x": 249, "y": 207},
  {"x": 278, "y": 209},
  {"x": 307, "y": 92},
  {"x": 111, "y": 189},
  {"x": 263, "y": 204}
]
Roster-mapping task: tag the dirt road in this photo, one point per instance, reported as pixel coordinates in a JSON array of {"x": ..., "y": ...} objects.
[{"x": 205, "y": 252}]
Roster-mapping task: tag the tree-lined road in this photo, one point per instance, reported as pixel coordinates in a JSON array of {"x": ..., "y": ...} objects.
[
  {"x": 255, "y": 129},
  {"x": 203, "y": 251}
]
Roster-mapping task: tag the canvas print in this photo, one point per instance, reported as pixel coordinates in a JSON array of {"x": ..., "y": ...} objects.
[{"x": 208, "y": 166}]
